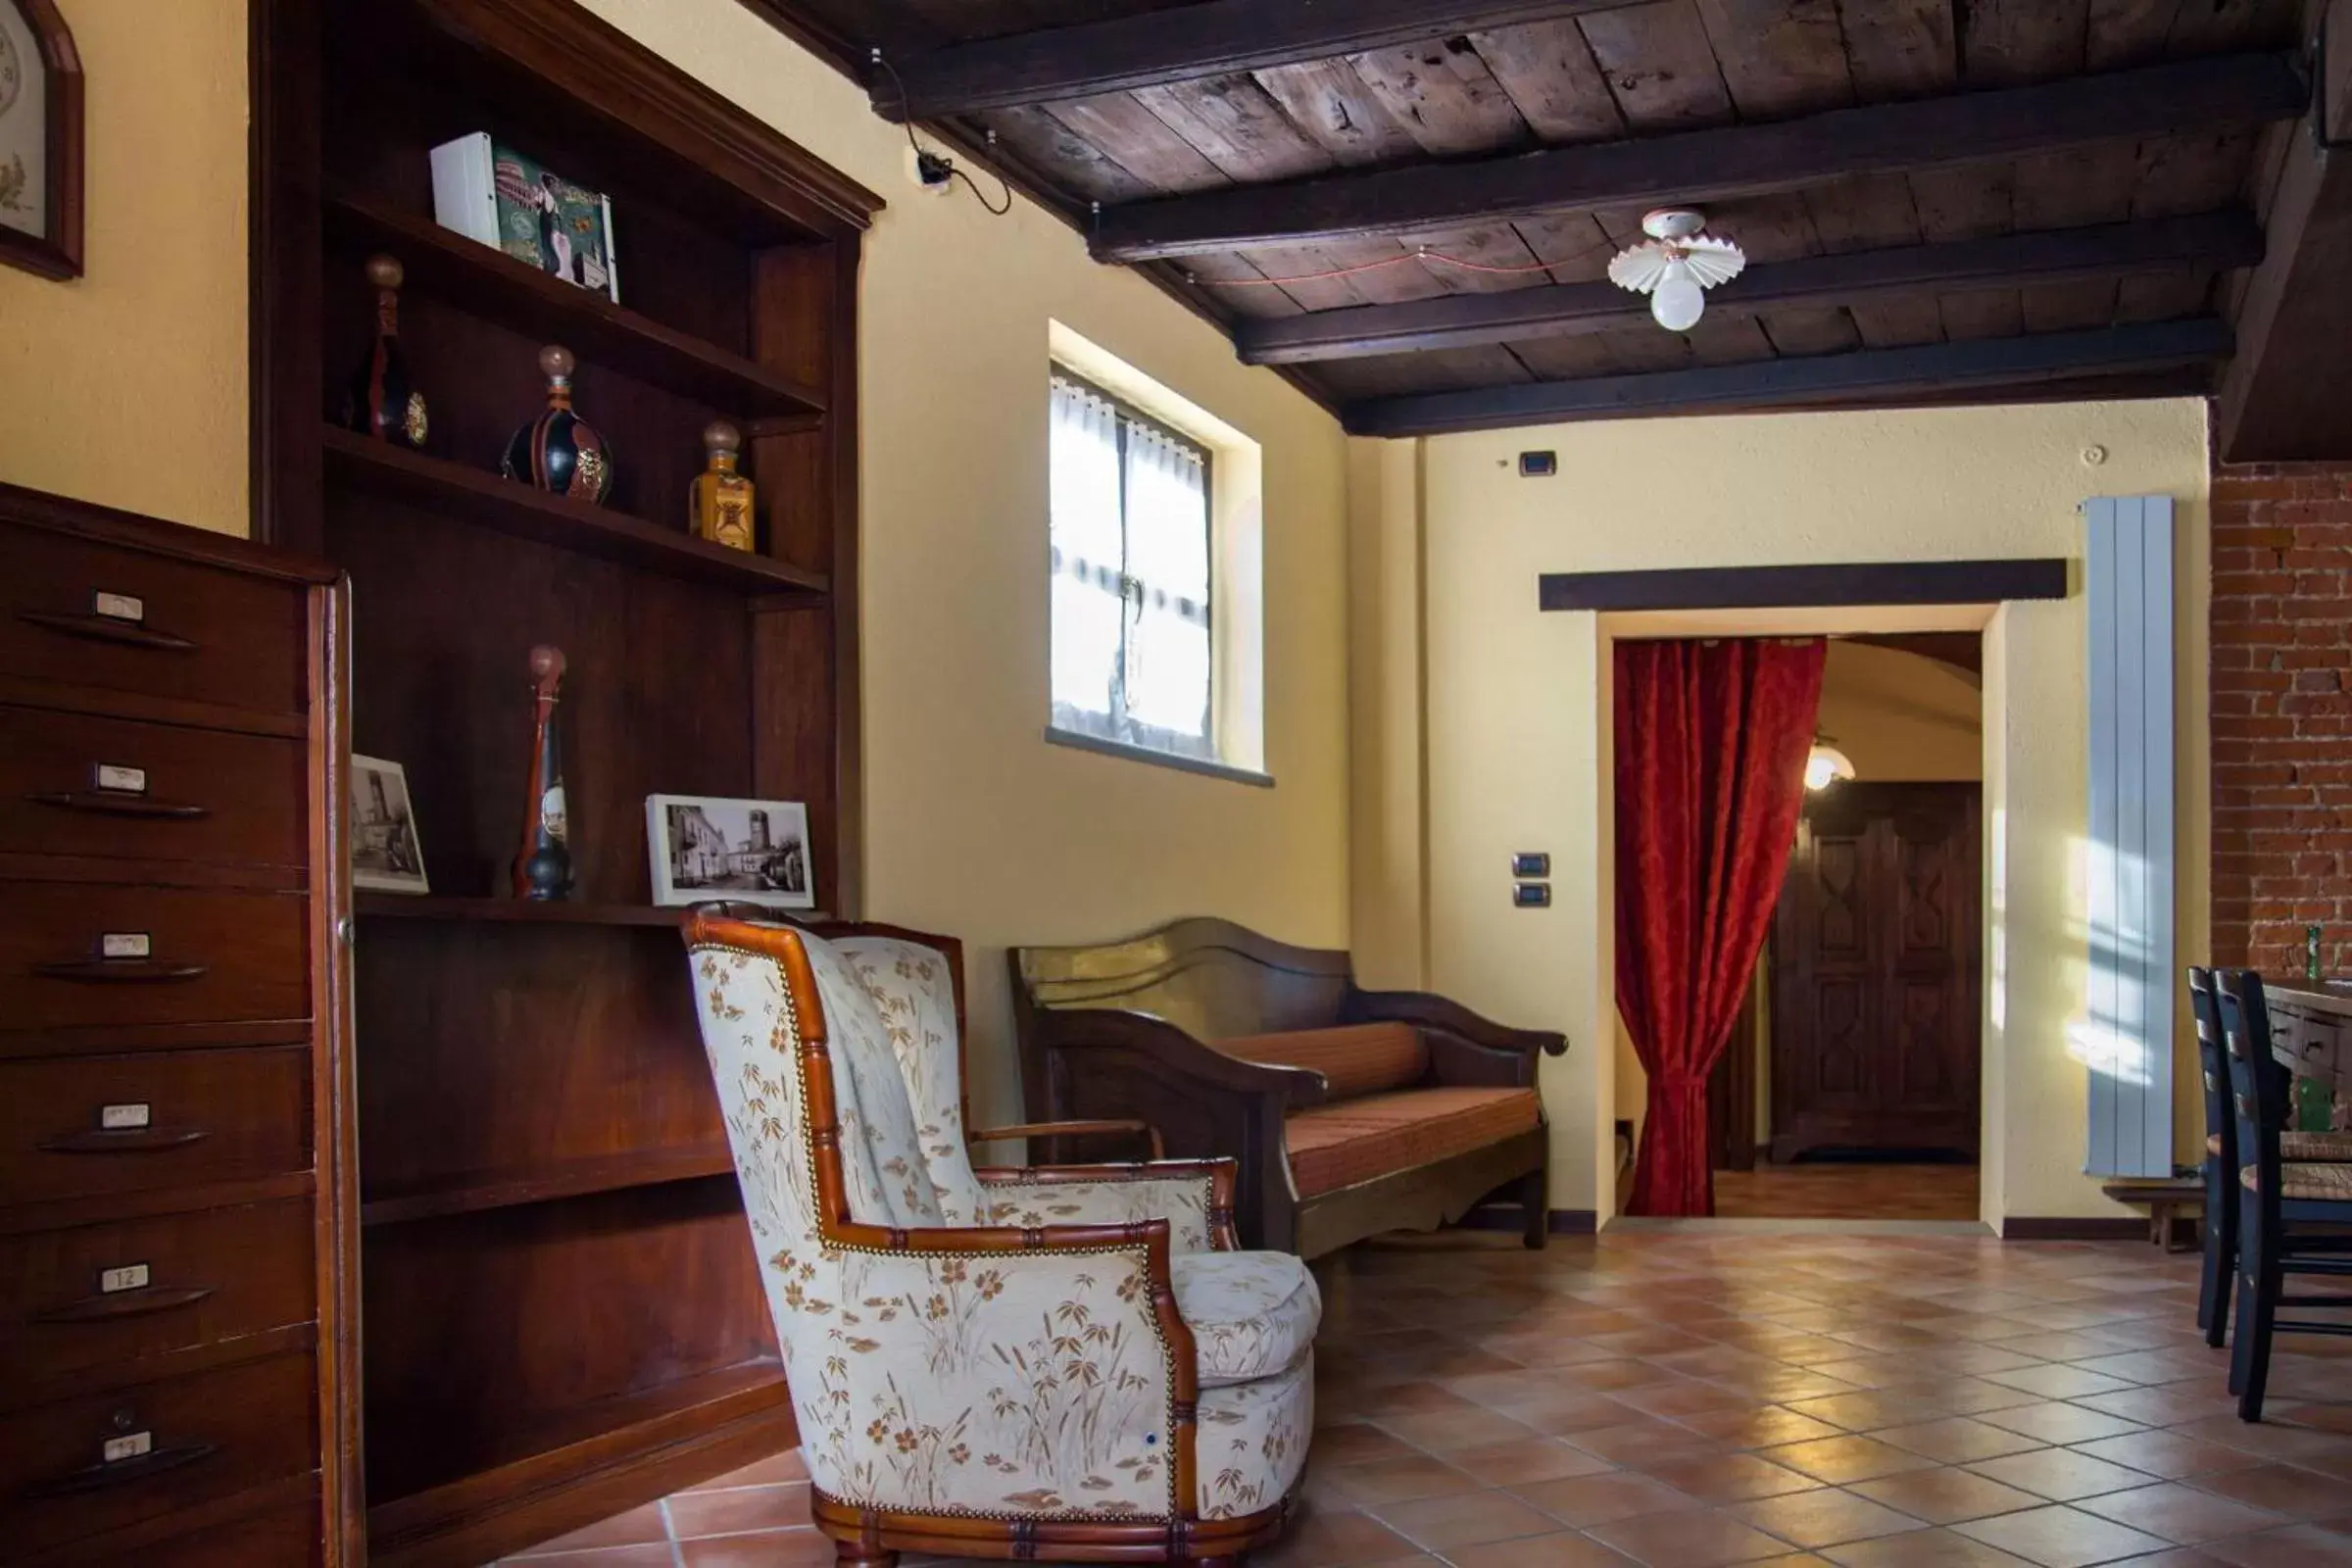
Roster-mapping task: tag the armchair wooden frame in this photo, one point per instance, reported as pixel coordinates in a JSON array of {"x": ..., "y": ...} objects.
[
  {"x": 872, "y": 1538},
  {"x": 1123, "y": 1027}
]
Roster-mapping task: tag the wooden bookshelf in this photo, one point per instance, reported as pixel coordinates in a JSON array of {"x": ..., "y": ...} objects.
[
  {"x": 487, "y": 500},
  {"x": 469, "y": 1192},
  {"x": 562, "y": 1308},
  {"x": 564, "y": 911}
]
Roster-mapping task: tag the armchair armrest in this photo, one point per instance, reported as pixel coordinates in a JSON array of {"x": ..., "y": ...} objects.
[
  {"x": 1194, "y": 1196},
  {"x": 1464, "y": 1048},
  {"x": 1075, "y": 1128}
]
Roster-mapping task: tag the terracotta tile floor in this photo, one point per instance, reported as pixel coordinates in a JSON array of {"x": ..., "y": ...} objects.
[{"x": 1693, "y": 1400}]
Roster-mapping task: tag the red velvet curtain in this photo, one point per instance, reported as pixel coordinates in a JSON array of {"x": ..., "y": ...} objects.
[{"x": 1711, "y": 744}]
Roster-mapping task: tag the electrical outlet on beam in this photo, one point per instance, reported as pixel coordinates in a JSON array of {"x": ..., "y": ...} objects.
[{"x": 929, "y": 170}]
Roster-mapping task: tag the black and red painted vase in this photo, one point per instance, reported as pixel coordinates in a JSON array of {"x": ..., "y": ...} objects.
[
  {"x": 379, "y": 400},
  {"x": 559, "y": 452}
]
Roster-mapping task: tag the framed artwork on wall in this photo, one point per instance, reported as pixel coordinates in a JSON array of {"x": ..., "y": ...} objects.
[{"x": 40, "y": 140}]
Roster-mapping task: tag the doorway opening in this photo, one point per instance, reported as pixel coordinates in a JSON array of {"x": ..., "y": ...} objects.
[
  {"x": 1852, "y": 1091},
  {"x": 1851, "y": 1086}
]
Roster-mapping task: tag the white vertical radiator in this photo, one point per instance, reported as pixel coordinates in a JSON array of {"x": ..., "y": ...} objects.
[{"x": 2129, "y": 1034}]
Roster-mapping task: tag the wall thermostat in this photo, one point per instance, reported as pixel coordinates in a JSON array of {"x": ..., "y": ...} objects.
[
  {"x": 1526, "y": 864},
  {"x": 1531, "y": 895},
  {"x": 1538, "y": 465}
]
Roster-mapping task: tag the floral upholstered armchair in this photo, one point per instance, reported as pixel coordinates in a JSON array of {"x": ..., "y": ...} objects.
[{"x": 1061, "y": 1364}]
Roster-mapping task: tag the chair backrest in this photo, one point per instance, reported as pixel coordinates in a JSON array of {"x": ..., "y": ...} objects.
[
  {"x": 912, "y": 985},
  {"x": 2257, "y": 1094},
  {"x": 2213, "y": 1061}
]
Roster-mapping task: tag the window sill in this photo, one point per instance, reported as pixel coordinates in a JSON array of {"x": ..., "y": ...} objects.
[{"x": 1145, "y": 753}]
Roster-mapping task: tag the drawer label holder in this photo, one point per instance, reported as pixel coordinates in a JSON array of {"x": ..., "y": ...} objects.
[
  {"x": 131, "y": 1116},
  {"x": 117, "y": 779},
  {"x": 125, "y": 1277},
  {"x": 119, "y": 606},
  {"x": 131, "y": 1445},
  {"x": 125, "y": 945}
]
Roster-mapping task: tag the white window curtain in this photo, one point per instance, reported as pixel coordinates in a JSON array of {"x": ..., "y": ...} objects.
[
  {"x": 1130, "y": 529},
  {"x": 1167, "y": 562},
  {"x": 1089, "y": 560}
]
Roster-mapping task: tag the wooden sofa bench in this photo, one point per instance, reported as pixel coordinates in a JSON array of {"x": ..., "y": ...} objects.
[{"x": 1350, "y": 1111}]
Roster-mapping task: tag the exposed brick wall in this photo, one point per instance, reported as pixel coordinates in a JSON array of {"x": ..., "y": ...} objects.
[{"x": 2281, "y": 713}]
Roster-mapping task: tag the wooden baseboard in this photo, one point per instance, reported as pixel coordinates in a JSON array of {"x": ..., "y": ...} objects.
[
  {"x": 2052, "y": 1228},
  {"x": 1507, "y": 1217}
]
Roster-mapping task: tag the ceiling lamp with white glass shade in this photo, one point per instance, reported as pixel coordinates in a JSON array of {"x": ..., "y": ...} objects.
[
  {"x": 1825, "y": 765},
  {"x": 1675, "y": 266}
]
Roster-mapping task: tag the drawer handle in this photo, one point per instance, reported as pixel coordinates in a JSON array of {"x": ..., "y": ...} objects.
[
  {"x": 93, "y": 1477},
  {"x": 118, "y": 971},
  {"x": 107, "y": 629},
  {"x": 116, "y": 803},
  {"x": 123, "y": 1303},
  {"x": 127, "y": 1141}
]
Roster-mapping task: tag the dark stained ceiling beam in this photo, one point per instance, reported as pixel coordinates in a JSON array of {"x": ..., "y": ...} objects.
[
  {"x": 1939, "y": 370},
  {"x": 2281, "y": 399},
  {"x": 1702, "y": 165},
  {"x": 2226, "y": 239},
  {"x": 1181, "y": 44}
]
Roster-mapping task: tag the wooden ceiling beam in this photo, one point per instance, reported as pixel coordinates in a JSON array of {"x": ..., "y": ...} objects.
[
  {"x": 2279, "y": 399},
  {"x": 1181, "y": 44},
  {"x": 1938, "y": 370},
  {"x": 2221, "y": 240},
  {"x": 1713, "y": 165}
]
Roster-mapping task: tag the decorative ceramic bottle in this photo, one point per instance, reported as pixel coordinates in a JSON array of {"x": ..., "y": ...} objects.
[
  {"x": 558, "y": 451},
  {"x": 719, "y": 501},
  {"x": 543, "y": 866},
  {"x": 379, "y": 400}
]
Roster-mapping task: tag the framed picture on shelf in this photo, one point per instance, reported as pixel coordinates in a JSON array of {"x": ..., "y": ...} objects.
[
  {"x": 704, "y": 847},
  {"x": 386, "y": 854}
]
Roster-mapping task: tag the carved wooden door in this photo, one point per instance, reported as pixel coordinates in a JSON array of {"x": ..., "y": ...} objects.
[{"x": 1874, "y": 980}]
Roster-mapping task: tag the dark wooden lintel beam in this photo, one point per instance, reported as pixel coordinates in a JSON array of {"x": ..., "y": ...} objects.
[
  {"x": 1872, "y": 582},
  {"x": 1938, "y": 369},
  {"x": 1564, "y": 310},
  {"x": 1701, "y": 166},
  {"x": 1179, "y": 44}
]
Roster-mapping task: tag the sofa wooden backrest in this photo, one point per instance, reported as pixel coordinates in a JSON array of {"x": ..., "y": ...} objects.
[
  {"x": 1210, "y": 978},
  {"x": 1136, "y": 1025}
]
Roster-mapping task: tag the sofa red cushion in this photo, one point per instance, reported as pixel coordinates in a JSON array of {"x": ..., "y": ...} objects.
[
  {"x": 1339, "y": 1145},
  {"x": 1361, "y": 1058}
]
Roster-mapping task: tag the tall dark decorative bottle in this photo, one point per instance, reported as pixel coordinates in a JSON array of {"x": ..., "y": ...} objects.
[
  {"x": 543, "y": 866},
  {"x": 379, "y": 400},
  {"x": 558, "y": 451}
]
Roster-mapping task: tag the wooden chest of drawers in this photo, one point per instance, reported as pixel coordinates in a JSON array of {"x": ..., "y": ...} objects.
[{"x": 176, "y": 1207}]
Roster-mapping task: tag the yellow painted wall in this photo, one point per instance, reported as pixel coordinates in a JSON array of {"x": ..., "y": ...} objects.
[
  {"x": 1517, "y": 753},
  {"x": 127, "y": 386},
  {"x": 131, "y": 388},
  {"x": 974, "y": 825},
  {"x": 1901, "y": 718}
]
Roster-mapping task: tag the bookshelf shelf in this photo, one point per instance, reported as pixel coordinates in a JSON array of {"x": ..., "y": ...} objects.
[{"x": 490, "y": 501}]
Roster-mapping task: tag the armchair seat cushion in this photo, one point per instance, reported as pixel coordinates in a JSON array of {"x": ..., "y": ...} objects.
[
  {"x": 1253, "y": 1314},
  {"x": 1338, "y": 1146},
  {"x": 1361, "y": 1058}
]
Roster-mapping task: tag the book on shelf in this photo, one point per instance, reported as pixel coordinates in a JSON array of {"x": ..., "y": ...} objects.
[{"x": 492, "y": 194}]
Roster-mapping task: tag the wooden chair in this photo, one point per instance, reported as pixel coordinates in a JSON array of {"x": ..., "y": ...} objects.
[
  {"x": 2275, "y": 1195},
  {"x": 2222, "y": 1164},
  {"x": 1068, "y": 1365}
]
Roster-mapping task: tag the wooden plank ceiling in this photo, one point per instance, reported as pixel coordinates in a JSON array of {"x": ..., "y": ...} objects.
[{"x": 1380, "y": 220}]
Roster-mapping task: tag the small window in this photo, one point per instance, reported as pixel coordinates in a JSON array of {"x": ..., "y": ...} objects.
[{"x": 1131, "y": 643}]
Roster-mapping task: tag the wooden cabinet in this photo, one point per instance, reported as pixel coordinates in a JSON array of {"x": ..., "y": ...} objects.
[
  {"x": 175, "y": 1204},
  {"x": 1875, "y": 973}
]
